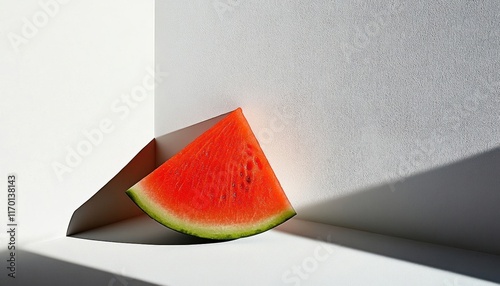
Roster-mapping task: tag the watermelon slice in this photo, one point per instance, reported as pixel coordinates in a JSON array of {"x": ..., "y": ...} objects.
[{"x": 220, "y": 186}]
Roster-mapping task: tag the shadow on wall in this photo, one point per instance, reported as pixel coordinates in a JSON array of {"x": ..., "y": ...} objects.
[
  {"x": 456, "y": 205},
  {"x": 465, "y": 262},
  {"x": 34, "y": 269}
]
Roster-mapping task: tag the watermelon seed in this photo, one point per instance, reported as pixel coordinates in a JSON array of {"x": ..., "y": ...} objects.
[
  {"x": 247, "y": 188},
  {"x": 249, "y": 165},
  {"x": 248, "y": 179},
  {"x": 259, "y": 164},
  {"x": 241, "y": 174},
  {"x": 249, "y": 150}
]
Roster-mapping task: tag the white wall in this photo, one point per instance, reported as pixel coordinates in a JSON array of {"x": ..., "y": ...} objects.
[
  {"x": 346, "y": 96},
  {"x": 358, "y": 94},
  {"x": 65, "y": 72}
]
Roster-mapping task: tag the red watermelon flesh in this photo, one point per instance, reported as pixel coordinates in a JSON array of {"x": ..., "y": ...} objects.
[{"x": 220, "y": 186}]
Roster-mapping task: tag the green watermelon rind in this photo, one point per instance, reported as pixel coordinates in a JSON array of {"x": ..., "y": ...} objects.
[{"x": 162, "y": 216}]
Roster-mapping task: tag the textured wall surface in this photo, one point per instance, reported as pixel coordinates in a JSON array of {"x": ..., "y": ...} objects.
[{"x": 342, "y": 96}]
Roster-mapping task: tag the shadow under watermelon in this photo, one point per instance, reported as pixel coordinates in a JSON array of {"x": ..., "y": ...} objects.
[
  {"x": 110, "y": 215},
  {"x": 141, "y": 230}
]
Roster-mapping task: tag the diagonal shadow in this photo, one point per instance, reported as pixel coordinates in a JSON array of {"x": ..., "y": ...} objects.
[
  {"x": 455, "y": 206},
  {"x": 34, "y": 269},
  {"x": 470, "y": 263}
]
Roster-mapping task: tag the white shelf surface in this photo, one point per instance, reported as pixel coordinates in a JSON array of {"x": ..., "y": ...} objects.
[{"x": 276, "y": 257}]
